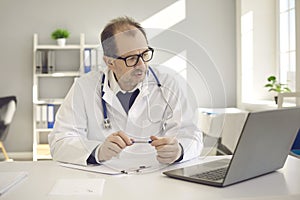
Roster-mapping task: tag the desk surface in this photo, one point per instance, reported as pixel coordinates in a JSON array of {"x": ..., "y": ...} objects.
[{"x": 282, "y": 184}]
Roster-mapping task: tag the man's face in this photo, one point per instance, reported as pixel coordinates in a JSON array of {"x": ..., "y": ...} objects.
[{"x": 128, "y": 44}]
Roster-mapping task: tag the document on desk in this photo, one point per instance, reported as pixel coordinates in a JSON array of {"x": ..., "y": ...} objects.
[
  {"x": 103, "y": 169},
  {"x": 128, "y": 162},
  {"x": 124, "y": 166},
  {"x": 78, "y": 187},
  {"x": 10, "y": 179}
]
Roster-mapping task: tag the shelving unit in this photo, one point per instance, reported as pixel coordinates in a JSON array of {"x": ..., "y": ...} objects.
[{"x": 50, "y": 87}]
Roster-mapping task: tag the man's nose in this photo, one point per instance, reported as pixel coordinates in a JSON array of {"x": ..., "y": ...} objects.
[{"x": 140, "y": 64}]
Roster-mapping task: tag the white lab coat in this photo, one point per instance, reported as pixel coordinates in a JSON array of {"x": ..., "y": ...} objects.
[{"x": 78, "y": 128}]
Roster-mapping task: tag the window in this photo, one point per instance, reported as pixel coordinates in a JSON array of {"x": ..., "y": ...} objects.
[
  {"x": 247, "y": 56},
  {"x": 266, "y": 38},
  {"x": 287, "y": 43}
]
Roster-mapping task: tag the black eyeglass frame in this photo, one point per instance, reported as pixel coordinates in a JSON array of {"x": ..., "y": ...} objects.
[{"x": 138, "y": 55}]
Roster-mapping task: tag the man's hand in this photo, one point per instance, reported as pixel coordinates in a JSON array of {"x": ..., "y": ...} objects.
[
  {"x": 168, "y": 149},
  {"x": 113, "y": 145}
]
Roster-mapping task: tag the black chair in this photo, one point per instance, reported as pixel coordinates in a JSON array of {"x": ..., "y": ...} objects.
[{"x": 7, "y": 110}]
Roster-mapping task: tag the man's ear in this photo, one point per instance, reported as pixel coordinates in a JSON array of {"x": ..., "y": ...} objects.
[{"x": 109, "y": 61}]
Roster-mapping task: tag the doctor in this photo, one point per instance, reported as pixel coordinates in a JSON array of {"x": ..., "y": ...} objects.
[{"x": 127, "y": 107}]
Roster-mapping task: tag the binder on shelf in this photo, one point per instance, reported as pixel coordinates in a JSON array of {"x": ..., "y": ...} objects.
[
  {"x": 44, "y": 62},
  {"x": 50, "y": 114},
  {"x": 94, "y": 61},
  {"x": 44, "y": 116},
  {"x": 51, "y": 61},
  {"x": 87, "y": 60},
  {"x": 38, "y": 62},
  {"x": 38, "y": 116}
]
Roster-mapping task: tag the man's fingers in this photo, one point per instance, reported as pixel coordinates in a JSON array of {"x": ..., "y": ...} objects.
[
  {"x": 108, "y": 150},
  {"x": 166, "y": 148},
  {"x": 113, "y": 145},
  {"x": 160, "y": 142},
  {"x": 153, "y": 138},
  {"x": 121, "y": 139},
  {"x": 124, "y": 137},
  {"x": 114, "y": 148},
  {"x": 118, "y": 141}
]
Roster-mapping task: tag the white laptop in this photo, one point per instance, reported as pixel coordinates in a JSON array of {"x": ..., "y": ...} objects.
[{"x": 263, "y": 146}]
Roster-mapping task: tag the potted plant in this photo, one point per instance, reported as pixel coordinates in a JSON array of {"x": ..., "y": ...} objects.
[
  {"x": 276, "y": 86},
  {"x": 60, "y": 35}
]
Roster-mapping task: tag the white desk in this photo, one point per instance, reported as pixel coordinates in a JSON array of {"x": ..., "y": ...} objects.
[{"x": 282, "y": 184}]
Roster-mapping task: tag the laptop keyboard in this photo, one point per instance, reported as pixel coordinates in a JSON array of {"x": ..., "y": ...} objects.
[{"x": 213, "y": 175}]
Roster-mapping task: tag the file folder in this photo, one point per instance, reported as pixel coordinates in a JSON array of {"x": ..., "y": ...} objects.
[
  {"x": 51, "y": 61},
  {"x": 44, "y": 116},
  {"x": 87, "y": 60},
  {"x": 38, "y": 116},
  {"x": 50, "y": 115}
]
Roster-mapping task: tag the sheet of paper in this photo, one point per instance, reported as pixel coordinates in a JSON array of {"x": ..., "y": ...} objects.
[
  {"x": 126, "y": 163},
  {"x": 10, "y": 179},
  {"x": 78, "y": 187},
  {"x": 93, "y": 168}
]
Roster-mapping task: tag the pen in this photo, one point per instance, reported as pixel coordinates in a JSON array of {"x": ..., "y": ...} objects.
[{"x": 142, "y": 141}]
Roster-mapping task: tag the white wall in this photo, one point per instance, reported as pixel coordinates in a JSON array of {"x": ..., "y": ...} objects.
[
  {"x": 256, "y": 64},
  {"x": 210, "y": 23},
  {"x": 298, "y": 47},
  {"x": 264, "y": 46}
]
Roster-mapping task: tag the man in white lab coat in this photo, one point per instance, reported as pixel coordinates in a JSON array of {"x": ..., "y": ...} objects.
[{"x": 127, "y": 110}]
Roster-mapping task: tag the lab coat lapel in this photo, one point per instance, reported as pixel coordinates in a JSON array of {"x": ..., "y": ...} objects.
[
  {"x": 140, "y": 99},
  {"x": 144, "y": 89},
  {"x": 111, "y": 99},
  {"x": 135, "y": 119}
]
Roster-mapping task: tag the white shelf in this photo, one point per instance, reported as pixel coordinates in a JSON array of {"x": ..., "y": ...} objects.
[
  {"x": 56, "y": 47},
  {"x": 48, "y": 101},
  {"x": 60, "y": 74},
  {"x": 43, "y": 129},
  {"x": 42, "y": 151},
  {"x": 92, "y": 46},
  {"x": 44, "y": 157}
]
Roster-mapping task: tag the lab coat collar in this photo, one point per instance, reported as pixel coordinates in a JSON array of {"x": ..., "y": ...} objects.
[
  {"x": 115, "y": 87},
  {"x": 111, "y": 99},
  {"x": 109, "y": 93}
]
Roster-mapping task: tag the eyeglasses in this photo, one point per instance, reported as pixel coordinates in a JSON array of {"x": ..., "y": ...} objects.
[{"x": 132, "y": 60}]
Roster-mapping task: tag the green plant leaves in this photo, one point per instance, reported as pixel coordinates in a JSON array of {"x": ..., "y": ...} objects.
[
  {"x": 272, "y": 78},
  {"x": 60, "y": 33},
  {"x": 275, "y": 86}
]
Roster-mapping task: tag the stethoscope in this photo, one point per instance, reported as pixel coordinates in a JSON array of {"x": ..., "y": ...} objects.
[{"x": 106, "y": 121}]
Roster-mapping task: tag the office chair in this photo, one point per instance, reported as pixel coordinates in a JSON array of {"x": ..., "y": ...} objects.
[
  {"x": 7, "y": 111},
  {"x": 295, "y": 150}
]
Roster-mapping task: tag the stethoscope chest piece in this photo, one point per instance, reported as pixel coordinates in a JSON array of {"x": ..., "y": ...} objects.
[
  {"x": 106, "y": 123},
  {"x": 164, "y": 125}
]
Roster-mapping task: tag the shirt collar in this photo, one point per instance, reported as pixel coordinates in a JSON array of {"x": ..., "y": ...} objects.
[{"x": 114, "y": 85}]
